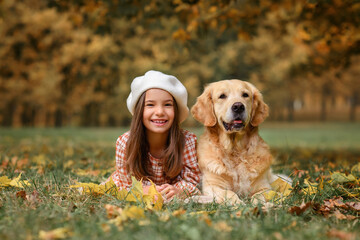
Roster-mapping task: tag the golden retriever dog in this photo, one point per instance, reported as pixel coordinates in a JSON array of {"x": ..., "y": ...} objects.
[{"x": 234, "y": 160}]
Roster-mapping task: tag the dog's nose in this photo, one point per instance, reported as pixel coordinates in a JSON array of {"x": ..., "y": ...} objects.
[{"x": 238, "y": 107}]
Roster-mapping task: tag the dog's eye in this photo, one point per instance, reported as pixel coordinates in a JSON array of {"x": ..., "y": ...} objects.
[
  {"x": 245, "y": 95},
  {"x": 222, "y": 96}
]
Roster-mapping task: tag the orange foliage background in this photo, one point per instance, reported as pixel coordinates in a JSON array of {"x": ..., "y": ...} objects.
[{"x": 70, "y": 63}]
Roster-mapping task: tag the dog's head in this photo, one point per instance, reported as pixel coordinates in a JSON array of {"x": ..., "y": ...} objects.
[{"x": 232, "y": 104}]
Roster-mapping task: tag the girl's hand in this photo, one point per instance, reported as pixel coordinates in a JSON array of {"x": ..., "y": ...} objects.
[{"x": 168, "y": 191}]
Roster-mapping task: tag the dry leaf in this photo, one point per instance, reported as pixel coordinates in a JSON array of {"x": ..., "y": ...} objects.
[
  {"x": 355, "y": 206},
  {"x": 112, "y": 210},
  {"x": 270, "y": 195},
  {"x": 82, "y": 172},
  {"x": 298, "y": 210},
  {"x": 133, "y": 212},
  {"x": 339, "y": 215},
  {"x": 355, "y": 169},
  {"x": 21, "y": 194},
  {"x": 58, "y": 233},
  {"x": 4, "y": 182},
  {"x": 179, "y": 212},
  {"x": 16, "y": 182},
  {"x": 311, "y": 188},
  {"x": 338, "y": 177},
  {"x": 122, "y": 215},
  {"x": 342, "y": 235},
  {"x": 222, "y": 226},
  {"x": 152, "y": 200},
  {"x": 281, "y": 186}
]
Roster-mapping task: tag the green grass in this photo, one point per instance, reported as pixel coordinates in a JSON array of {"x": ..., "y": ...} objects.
[{"x": 316, "y": 149}]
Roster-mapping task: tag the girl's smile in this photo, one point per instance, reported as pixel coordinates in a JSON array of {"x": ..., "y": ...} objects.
[
  {"x": 159, "y": 111},
  {"x": 159, "y": 122}
]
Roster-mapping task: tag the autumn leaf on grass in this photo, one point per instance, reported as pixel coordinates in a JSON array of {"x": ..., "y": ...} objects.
[
  {"x": 340, "y": 234},
  {"x": 69, "y": 164},
  {"x": 152, "y": 200},
  {"x": 280, "y": 190},
  {"x": 222, "y": 226},
  {"x": 82, "y": 172},
  {"x": 272, "y": 195},
  {"x": 16, "y": 182},
  {"x": 129, "y": 212},
  {"x": 4, "y": 182},
  {"x": 338, "y": 177},
  {"x": 121, "y": 215},
  {"x": 40, "y": 160},
  {"x": 96, "y": 189},
  {"x": 355, "y": 170},
  {"x": 355, "y": 206},
  {"x": 281, "y": 186},
  {"x": 298, "y": 210},
  {"x": 58, "y": 233},
  {"x": 312, "y": 188}
]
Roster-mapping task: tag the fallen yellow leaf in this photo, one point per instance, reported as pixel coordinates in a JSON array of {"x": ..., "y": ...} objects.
[
  {"x": 58, "y": 233},
  {"x": 122, "y": 215},
  {"x": 16, "y": 182},
  {"x": 222, "y": 226},
  {"x": 355, "y": 169},
  {"x": 152, "y": 200},
  {"x": 133, "y": 212},
  {"x": 312, "y": 188},
  {"x": 4, "y": 182},
  {"x": 281, "y": 186},
  {"x": 338, "y": 177},
  {"x": 270, "y": 195}
]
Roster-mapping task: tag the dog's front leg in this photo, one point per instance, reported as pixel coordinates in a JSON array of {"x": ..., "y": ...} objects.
[
  {"x": 217, "y": 188},
  {"x": 222, "y": 195}
]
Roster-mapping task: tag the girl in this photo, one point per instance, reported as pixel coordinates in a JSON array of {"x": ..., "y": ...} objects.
[{"x": 156, "y": 148}]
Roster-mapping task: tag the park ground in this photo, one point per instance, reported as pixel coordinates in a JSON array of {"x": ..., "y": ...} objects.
[{"x": 322, "y": 203}]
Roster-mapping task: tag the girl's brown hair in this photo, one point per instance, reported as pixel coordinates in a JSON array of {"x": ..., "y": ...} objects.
[{"x": 137, "y": 147}]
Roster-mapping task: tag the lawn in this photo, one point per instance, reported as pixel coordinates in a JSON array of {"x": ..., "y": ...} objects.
[{"x": 323, "y": 203}]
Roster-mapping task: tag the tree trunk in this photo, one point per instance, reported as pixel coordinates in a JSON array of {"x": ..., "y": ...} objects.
[
  {"x": 353, "y": 104},
  {"x": 290, "y": 107},
  {"x": 324, "y": 95},
  {"x": 58, "y": 118},
  {"x": 9, "y": 113}
]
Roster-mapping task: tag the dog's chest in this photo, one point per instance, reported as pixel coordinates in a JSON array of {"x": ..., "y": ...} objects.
[{"x": 240, "y": 172}]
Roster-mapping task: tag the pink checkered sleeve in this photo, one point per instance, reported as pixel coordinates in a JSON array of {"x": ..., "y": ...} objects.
[
  {"x": 120, "y": 176},
  {"x": 189, "y": 176}
]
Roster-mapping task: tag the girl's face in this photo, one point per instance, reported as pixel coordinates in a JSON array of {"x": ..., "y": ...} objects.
[{"x": 159, "y": 113}]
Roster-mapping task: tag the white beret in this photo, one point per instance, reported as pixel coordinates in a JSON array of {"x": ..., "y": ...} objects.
[{"x": 156, "y": 79}]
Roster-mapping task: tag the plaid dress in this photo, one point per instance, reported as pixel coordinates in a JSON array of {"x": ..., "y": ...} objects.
[{"x": 187, "y": 180}]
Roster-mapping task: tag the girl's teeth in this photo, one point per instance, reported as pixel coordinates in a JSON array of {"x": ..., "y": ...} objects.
[{"x": 159, "y": 121}]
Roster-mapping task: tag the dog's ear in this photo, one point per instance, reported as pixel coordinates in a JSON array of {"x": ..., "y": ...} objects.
[
  {"x": 203, "y": 110},
  {"x": 260, "y": 109}
]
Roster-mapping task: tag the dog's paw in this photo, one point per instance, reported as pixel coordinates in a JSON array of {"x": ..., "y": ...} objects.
[
  {"x": 258, "y": 199},
  {"x": 232, "y": 198}
]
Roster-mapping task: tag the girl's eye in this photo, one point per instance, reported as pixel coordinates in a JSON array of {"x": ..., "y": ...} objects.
[
  {"x": 222, "y": 96},
  {"x": 168, "y": 105},
  {"x": 245, "y": 95},
  {"x": 149, "y": 105}
]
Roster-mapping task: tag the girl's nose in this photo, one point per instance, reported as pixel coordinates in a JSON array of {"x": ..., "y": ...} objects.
[{"x": 159, "y": 110}]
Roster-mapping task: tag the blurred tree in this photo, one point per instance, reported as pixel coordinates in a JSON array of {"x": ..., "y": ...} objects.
[
  {"x": 351, "y": 76},
  {"x": 72, "y": 62},
  {"x": 287, "y": 40},
  {"x": 51, "y": 69}
]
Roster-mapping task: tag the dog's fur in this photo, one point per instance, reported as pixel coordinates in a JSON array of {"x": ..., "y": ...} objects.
[{"x": 234, "y": 160}]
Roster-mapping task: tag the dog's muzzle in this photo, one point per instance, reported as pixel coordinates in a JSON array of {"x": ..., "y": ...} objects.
[{"x": 238, "y": 110}]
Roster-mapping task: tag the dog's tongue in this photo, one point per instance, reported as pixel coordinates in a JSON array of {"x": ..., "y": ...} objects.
[{"x": 237, "y": 121}]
